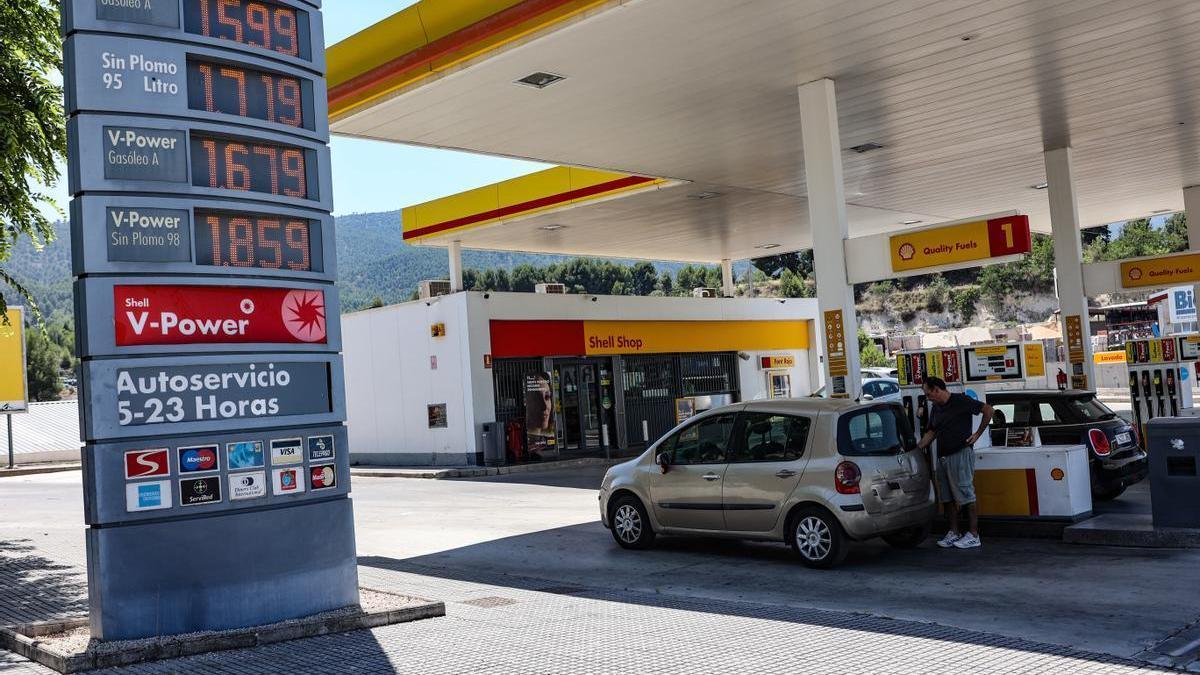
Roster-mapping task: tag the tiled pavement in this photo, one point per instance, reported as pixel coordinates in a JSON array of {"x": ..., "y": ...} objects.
[{"x": 521, "y": 625}]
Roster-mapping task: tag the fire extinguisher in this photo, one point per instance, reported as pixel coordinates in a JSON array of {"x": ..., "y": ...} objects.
[{"x": 1062, "y": 380}]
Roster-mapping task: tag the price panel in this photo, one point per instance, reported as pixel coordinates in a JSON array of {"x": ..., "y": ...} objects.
[
  {"x": 267, "y": 25},
  {"x": 136, "y": 76},
  {"x": 157, "y": 155},
  {"x": 161, "y": 235},
  {"x": 250, "y": 166},
  {"x": 225, "y": 239},
  {"x": 282, "y": 30}
]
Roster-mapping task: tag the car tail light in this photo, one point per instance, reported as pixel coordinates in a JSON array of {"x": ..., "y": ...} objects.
[
  {"x": 1099, "y": 441},
  {"x": 846, "y": 477}
]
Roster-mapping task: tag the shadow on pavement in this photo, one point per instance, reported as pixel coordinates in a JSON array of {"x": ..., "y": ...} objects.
[
  {"x": 1110, "y": 601},
  {"x": 36, "y": 588},
  {"x": 583, "y": 477}
]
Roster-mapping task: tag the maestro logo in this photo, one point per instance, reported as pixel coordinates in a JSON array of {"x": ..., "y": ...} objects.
[
  {"x": 146, "y": 463},
  {"x": 198, "y": 458}
]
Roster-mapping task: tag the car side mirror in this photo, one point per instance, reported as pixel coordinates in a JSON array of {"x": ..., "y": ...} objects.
[
  {"x": 868, "y": 397},
  {"x": 663, "y": 460}
]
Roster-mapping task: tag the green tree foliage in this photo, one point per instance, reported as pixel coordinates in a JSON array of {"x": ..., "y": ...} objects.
[
  {"x": 643, "y": 278},
  {"x": 42, "y": 366},
  {"x": 33, "y": 135},
  {"x": 1032, "y": 274},
  {"x": 1138, "y": 237},
  {"x": 793, "y": 285},
  {"x": 869, "y": 353},
  {"x": 965, "y": 301}
]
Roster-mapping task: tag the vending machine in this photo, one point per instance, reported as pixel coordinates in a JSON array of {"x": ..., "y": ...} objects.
[{"x": 1159, "y": 380}]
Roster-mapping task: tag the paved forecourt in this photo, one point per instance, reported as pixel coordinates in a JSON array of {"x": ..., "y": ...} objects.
[{"x": 212, "y": 402}]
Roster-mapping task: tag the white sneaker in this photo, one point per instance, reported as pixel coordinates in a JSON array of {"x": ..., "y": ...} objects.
[
  {"x": 968, "y": 540},
  {"x": 948, "y": 540}
]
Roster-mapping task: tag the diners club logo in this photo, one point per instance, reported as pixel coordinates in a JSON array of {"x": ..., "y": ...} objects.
[{"x": 166, "y": 315}]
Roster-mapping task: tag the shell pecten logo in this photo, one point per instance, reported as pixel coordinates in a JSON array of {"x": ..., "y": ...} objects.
[
  {"x": 1135, "y": 273},
  {"x": 907, "y": 251}
]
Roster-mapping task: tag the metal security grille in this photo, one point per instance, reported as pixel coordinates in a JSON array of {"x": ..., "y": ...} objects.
[
  {"x": 509, "y": 378},
  {"x": 652, "y": 383}
]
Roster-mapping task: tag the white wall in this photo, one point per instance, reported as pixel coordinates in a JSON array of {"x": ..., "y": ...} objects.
[{"x": 390, "y": 383}]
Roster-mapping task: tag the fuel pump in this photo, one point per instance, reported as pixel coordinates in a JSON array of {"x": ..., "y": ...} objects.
[
  {"x": 1158, "y": 385},
  {"x": 912, "y": 367}
]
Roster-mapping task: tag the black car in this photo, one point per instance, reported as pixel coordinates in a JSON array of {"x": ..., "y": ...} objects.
[{"x": 1069, "y": 417}]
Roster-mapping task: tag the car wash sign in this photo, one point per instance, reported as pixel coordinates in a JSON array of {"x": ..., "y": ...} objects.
[{"x": 206, "y": 314}]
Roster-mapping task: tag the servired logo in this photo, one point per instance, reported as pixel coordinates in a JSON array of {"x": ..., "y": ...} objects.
[
  {"x": 198, "y": 458},
  {"x": 146, "y": 463},
  {"x": 174, "y": 315}
]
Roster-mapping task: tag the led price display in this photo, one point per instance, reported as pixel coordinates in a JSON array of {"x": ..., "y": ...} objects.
[
  {"x": 257, "y": 24},
  {"x": 225, "y": 239},
  {"x": 250, "y": 166},
  {"x": 236, "y": 90}
]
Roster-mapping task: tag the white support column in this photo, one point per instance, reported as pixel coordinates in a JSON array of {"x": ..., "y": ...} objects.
[
  {"x": 456, "y": 267},
  {"x": 827, "y": 217},
  {"x": 727, "y": 278},
  {"x": 1191, "y": 207},
  {"x": 1068, "y": 261}
]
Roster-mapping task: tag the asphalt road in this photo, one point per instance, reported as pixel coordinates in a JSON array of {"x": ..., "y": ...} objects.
[{"x": 545, "y": 526}]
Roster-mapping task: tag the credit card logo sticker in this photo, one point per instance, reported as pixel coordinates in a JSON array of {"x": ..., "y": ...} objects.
[
  {"x": 244, "y": 455},
  {"x": 148, "y": 496},
  {"x": 199, "y": 458},
  {"x": 287, "y": 481},
  {"x": 195, "y": 491},
  {"x": 287, "y": 451},
  {"x": 247, "y": 485},
  {"x": 146, "y": 463},
  {"x": 323, "y": 477},
  {"x": 320, "y": 447}
]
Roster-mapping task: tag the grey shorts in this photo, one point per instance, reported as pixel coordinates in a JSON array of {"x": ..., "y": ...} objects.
[{"x": 956, "y": 477}]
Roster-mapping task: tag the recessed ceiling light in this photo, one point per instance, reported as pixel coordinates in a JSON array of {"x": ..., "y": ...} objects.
[
  {"x": 551, "y": 228},
  {"x": 911, "y": 222},
  {"x": 865, "y": 147},
  {"x": 1040, "y": 186},
  {"x": 540, "y": 80},
  {"x": 767, "y": 247},
  {"x": 969, "y": 36},
  {"x": 707, "y": 194}
]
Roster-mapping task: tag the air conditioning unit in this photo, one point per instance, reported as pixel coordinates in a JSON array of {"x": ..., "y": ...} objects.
[
  {"x": 704, "y": 293},
  {"x": 559, "y": 289},
  {"x": 431, "y": 288}
]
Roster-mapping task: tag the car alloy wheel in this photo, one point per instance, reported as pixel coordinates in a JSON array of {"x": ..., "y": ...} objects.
[
  {"x": 813, "y": 538},
  {"x": 627, "y": 523}
]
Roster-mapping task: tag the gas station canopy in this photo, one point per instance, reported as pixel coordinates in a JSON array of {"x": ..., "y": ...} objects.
[{"x": 945, "y": 110}]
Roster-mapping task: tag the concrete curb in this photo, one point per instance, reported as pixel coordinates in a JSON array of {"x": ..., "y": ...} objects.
[
  {"x": 1134, "y": 529},
  {"x": 25, "y": 640},
  {"x": 43, "y": 468},
  {"x": 433, "y": 473}
]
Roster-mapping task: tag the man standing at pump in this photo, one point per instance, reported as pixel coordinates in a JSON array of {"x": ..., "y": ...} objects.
[{"x": 950, "y": 426}]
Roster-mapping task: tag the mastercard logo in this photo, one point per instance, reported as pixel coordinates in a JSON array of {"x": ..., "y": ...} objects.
[{"x": 322, "y": 477}]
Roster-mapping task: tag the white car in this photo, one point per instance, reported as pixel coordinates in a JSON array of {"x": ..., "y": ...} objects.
[
  {"x": 879, "y": 371},
  {"x": 880, "y": 389}
]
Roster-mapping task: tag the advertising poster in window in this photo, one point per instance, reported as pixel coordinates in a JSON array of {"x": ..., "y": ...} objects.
[{"x": 539, "y": 415}]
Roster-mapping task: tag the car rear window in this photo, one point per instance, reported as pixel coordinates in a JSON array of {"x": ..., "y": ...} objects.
[
  {"x": 880, "y": 430},
  {"x": 1054, "y": 410}
]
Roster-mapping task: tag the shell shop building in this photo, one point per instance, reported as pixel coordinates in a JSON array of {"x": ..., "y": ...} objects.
[{"x": 471, "y": 378}]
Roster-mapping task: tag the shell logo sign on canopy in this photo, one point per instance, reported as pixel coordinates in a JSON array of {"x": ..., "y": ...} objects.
[
  {"x": 511, "y": 338},
  {"x": 961, "y": 243},
  {"x": 1164, "y": 271}
]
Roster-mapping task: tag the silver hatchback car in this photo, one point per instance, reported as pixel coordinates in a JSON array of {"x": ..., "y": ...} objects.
[{"x": 814, "y": 473}]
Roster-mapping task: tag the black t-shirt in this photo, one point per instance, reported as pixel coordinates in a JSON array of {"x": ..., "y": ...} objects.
[{"x": 951, "y": 423}]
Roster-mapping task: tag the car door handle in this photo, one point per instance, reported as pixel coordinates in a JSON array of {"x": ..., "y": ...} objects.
[
  {"x": 710, "y": 476},
  {"x": 785, "y": 473}
]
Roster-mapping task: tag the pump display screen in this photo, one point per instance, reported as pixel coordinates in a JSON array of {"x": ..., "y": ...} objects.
[
  {"x": 992, "y": 362},
  {"x": 268, "y": 25},
  {"x": 251, "y": 166},
  {"x": 229, "y": 239},
  {"x": 236, "y": 90}
]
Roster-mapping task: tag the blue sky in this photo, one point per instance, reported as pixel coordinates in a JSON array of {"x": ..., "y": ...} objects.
[{"x": 375, "y": 176}]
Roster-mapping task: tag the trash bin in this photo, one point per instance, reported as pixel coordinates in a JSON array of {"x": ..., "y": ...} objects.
[
  {"x": 1173, "y": 444},
  {"x": 491, "y": 443}
]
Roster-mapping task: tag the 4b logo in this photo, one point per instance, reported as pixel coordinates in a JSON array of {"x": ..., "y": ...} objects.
[{"x": 146, "y": 463}]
